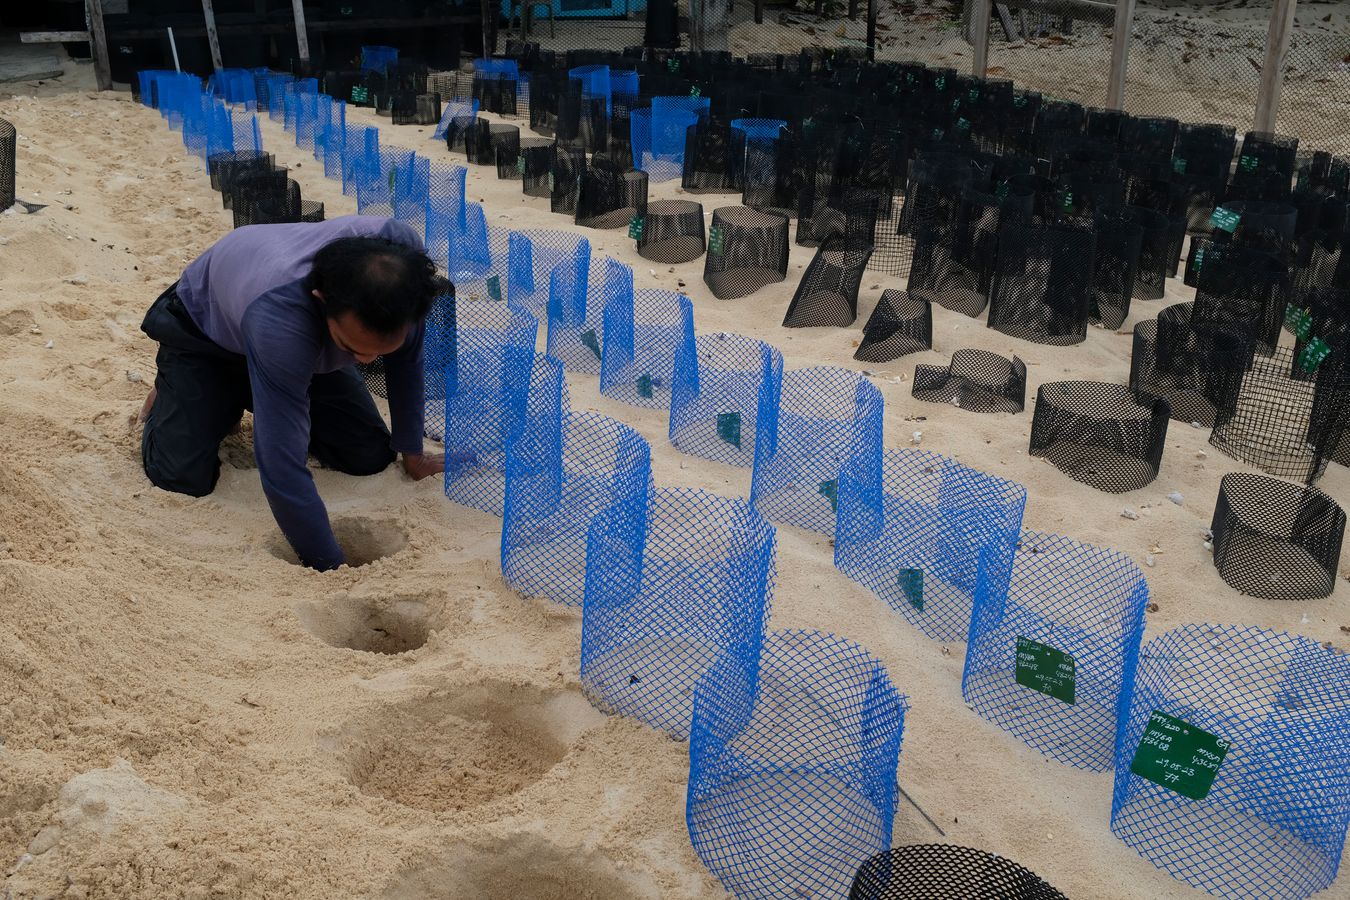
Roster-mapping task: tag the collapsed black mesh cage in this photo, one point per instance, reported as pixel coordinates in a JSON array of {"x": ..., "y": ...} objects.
[
  {"x": 1116, "y": 257},
  {"x": 975, "y": 380},
  {"x": 671, "y": 232},
  {"x": 227, "y": 167},
  {"x": 828, "y": 291},
  {"x": 1042, "y": 285},
  {"x": 1276, "y": 540},
  {"x": 946, "y": 872},
  {"x": 8, "y": 157},
  {"x": 747, "y": 249},
  {"x": 534, "y": 163},
  {"x": 1099, "y": 434},
  {"x": 900, "y": 324},
  {"x": 1197, "y": 368},
  {"x": 611, "y": 195}
]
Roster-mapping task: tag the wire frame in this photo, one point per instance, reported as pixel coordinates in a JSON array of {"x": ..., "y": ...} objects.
[
  {"x": 974, "y": 380},
  {"x": 1099, "y": 434}
]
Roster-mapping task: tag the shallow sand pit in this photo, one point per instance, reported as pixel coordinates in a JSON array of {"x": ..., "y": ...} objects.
[
  {"x": 361, "y": 538},
  {"x": 389, "y": 625}
]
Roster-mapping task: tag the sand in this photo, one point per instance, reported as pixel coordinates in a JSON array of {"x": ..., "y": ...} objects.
[{"x": 187, "y": 714}]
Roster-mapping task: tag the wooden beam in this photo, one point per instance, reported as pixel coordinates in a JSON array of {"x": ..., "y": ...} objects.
[
  {"x": 1272, "y": 71},
  {"x": 1005, "y": 19},
  {"x": 211, "y": 37},
  {"x": 52, "y": 37},
  {"x": 1087, "y": 10},
  {"x": 871, "y": 30},
  {"x": 98, "y": 44},
  {"x": 979, "y": 36},
  {"x": 1120, "y": 54},
  {"x": 301, "y": 35},
  {"x": 257, "y": 28}
]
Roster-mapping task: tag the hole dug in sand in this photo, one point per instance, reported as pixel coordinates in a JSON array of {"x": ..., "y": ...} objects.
[
  {"x": 363, "y": 540},
  {"x": 519, "y": 867},
  {"x": 481, "y": 743},
  {"x": 372, "y": 624}
]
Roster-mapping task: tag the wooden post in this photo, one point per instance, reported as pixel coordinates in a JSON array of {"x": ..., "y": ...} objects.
[
  {"x": 489, "y": 12},
  {"x": 871, "y": 30},
  {"x": 211, "y": 37},
  {"x": 301, "y": 35},
  {"x": 1120, "y": 54},
  {"x": 1272, "y": 72},
  {"x": 979, "y": 36},
  {"x": 98, "y": 44}
]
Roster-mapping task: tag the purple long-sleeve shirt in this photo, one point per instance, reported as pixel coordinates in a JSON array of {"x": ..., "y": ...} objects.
[{"x": 246, "y": 294}]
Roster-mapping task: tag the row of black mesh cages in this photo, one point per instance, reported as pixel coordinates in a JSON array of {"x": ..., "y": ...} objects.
[
  {"x": 375, "y": 89},
  {"x": 258, "y": 191}
]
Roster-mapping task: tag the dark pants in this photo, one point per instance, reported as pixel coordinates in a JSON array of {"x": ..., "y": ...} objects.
[{"x": 203, "y": 389}]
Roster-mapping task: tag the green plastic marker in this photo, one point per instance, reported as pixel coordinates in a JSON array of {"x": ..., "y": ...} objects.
[
  {"x": 1046, "y": 669},
  {"x": 1225, "y": 219},
  {"x": 360, "y": 94},
  {"x": 714, "y": 239},
  {"x": 1179, "y": 756},
  {"x": 1199, "y": 258},
  {"x": 830, "y": 490},
  {"x": 729, "y": 428},
  {"x": 635, "y": 226},
  {"x": 695, "y": 91},
  {"x": 911, "y": 585},
  {"x": 1314, "y": 353},
  {"x": 1247, "y": 163},
  {"x": 644, "y": 386},
  {"x": 520, "y": 165},
  {"x": 590, "y": 340},
  {"x": 1178, "y": 165},
  {"x": 494, "y": 287}
]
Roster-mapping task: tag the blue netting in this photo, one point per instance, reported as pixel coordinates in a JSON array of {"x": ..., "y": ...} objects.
[
  {"x": 378, "y": 58},
  {"x": 477, "y": 255},
  {"x": 234, "y": 86},
  {"x": 293, "y": 94},
  {"x": 534, "y": 254},
  {"x": 1083, "y": 601},
  {"x": 575, "y": 320},
  {"x": 659, "y": 134},
  {"x": 361, "y": 145},
  {"x": 440, "y": 361},
  {"x": 382, "y": 178},
  {"x": 933, "y": 515},
  {"x": 486, "y": 401},
  {"x": 557, "y": 480},
  {"x": 722, "y": 387},
  {"x": 760, "y": 129},
  {"x": 594, "y": 82},
  {"x": 792, "y": 766},
  {"x": 276, "y": 96},
  {"x": 147, "y": 81},
  {"x": 306, "y": 120},
  {"x": 828, "y": 421},
  {"x": 623, "y": 83},
  {"x": 445, "y": 212},
  {"x": 331, "y": 136},
  {"x": 641, "y": 341},
  {"x": 452, "y": 110},
  {"x": 173, "y": 94},
  {"x": 662, "y": 607},
  {"x": 1273, "y": 823},
  {"x": 410, "y": 195}
]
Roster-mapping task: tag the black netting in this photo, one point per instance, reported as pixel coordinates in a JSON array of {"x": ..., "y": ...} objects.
[
  {"x": 264, "y": 198},
  {"x": 458, "y": 132},
  {"x": 226, "y": 167},
  {"x": 1197, "y": 369},
  {"x": 310, "y": 210},
  {"x": 1256, "y": 224},
  {"x": 1149, "y": 137},
  {"x": 621, "y": 107},
  {"x": 1042, "y": 285},
  {"x": 478, "y": 148},
  {"x": 953, "y": 267},
  {"x": 1239, "y": 287},
  {"x": 947, "y": 872},
  {"x": 403, "y": 108},
  {"x": 1113, "y": 271},
  {"x": 1099, "y": 434},
  {"x": 1201, "y": 159},
  {"x": 567, "y": 163},
  {"x": 975, "y": 380},
  {"x": 1057, "y": 121},
  {"x": 714, "y": 157},
  {"x": 1276, "y": 540},
  {"x": 534, "y": 164},
  {"x": 1265, "y": 167},
  {"x": 671, "y": 232},
  {"x": 747, "y": 249},
  {"x": 8, "y": 157},
  {"x": 1080, "y": 195},
  {"x": 611, "y": 195},
  {"x": 770, "y": 177},
  {"x": 899, "y": 324},
  {"x": 428, "y": 109},
  {"x": 828, "y": 291},
  {"x": 1160, "y": 241},
  {"x": 506, "y": 146}
]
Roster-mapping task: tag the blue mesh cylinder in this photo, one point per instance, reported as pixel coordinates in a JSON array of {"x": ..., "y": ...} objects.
[
  {"x": 641, "y": 342},
  {"x": 486, "y": 401},
  {"x": 440, "y": 361},
  {"x": 667, "y": 127},
  {"x": 360, "y": 145},
  {"x": 594, "y": 82},
  {"x": 577, "y": 293},
  {"x": 662, "y": 607},
  {"x": 276, "y": 96},
  {"x": 234, "y": 86},
  {"x": 723, "y": 386},
  {"x": 623, "y": 83},
  {"x": 558, "y": 478},
  {"x": 828, "y": 422},
  {"x": 792, "y": 766},
  {"x": 1247, "y": 733},
  {"x": 915, "y": 538},
  {"x": 1068, "y": 605},
  {"x": 759, "y": 129},
  {"x": 378, "y": 58},
  {"x": 382, "y": 180},
  {"x": 331, "y": 142},
  {"x": 533, "y": 255}
]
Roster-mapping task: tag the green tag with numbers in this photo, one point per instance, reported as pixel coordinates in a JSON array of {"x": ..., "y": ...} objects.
[
  {"x": 644, "y": 386},
  {"x": 695, "y": 91},
  {"x": 1225, "y": 219},
  {"x": 1178, "y": 165},
  {"x": 714, "y": 239},
  {"x": 1247, "y": 163},
  {"x": 830, "y": 491},
  {"x": 1314, "y": 353},
  {"x": 635, "y": 226},
  {"x": 911, "y": 585},
  {"x": 360, "y": 94},
  {"x": 1199, "y": 258},
  {"x": 673, "y": 65},
  {"x": 729, "y": 428},
  {"x": 1179, "y": 756},
  {"x": 1046, "y": 669},
  {"x": 520, "y": 165}
]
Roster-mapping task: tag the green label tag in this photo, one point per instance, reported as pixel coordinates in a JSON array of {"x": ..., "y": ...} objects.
[
  {"x": 635, "y": 226},
  {"x": 494, "y": 287},
  {"x": 714, "y": 239},
  {"x": 1225, "y": 219},
  {"x": 830, "y": 491},
  {"x": 1177, "y": 755},
  {"x": 729, "y": 428},
  {"x": 940, "y": 83},
  {"x": 520, "y": 165},
  {"x": 1019, "y": 102},
  {"x": 1199, "y": 258},
  {"x": 673, "y": 65},
  {"x": 956, "y": 103},
  {"x": 393, "y": 177},
  {"x": 1046, "y": 669},
  {"x": 1314, "y": 353},
  {"x": 963, "y": 124},
  {"x": 1001, "y": 192},
  {"x": 1300, "y": 321},
  {"x": 1178, "y": 165},
  {"x": 590, "y": 340},
  {"x": 644, "y": 386},
  {"x": 911, "y": 78},
  {"x": 973, "y": 94},
  {"x": 1067, "y": 201},
  {"x": 695, "y": 91},
  {"x": 360, "y": 94},
  {"x": 1247, "y": 163},
  {"x": 911, "y": 585}
]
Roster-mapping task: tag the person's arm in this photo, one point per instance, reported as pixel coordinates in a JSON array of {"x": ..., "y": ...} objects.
[
  {"x": 280, "y": 367},
  {"x": 407, "y": 405}
]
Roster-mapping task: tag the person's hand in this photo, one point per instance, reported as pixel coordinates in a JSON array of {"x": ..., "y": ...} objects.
[{"x": 422, "y": 465}]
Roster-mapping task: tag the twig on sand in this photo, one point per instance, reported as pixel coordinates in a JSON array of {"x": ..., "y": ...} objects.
[{"x": 927, "y": 818}]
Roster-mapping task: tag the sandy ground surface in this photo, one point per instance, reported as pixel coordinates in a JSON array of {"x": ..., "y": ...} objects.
[{"x": 184, "y": 715}]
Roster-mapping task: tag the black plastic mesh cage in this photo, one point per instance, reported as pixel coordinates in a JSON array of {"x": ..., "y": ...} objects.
[
  {"x": 534, "y": 165},
  {"x": 611, "y": 195},
  {"x": 458, "y": 133},
  {"x": 1265, "y": 167},
  {"x": 1197, "y": 368},
  {"x": 265, "y": 198},
  {"x": 1115, "y": 262},
  {"x": 947, "y": 872},
  {"x": 671, "y": 232},
  {"x": 506, "y": 148},
  {"x": 1160, "y": 241},
  {"x": 1276, "y": 540},
  {"x": 228, "y": 166},
  {"x": 1042, "y": 289},
  {"x": 975, "y": 380},
  {"x": 900, "y": 324},
  {"x": 403, "y": 108},
  {"x": 567, "y": 164},
  {"x": 428, "y": 109},
  {"x": 828, "y": 291},
  {"x": 1239, "y": 287},
  {"x": 747, "y": 249},
  {"x": 714, "y": 157},
  {"x": 8, "y": 149},
  {"x": 1099, "y": 434}
]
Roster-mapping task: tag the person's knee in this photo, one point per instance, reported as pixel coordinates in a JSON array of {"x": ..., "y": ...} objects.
[
  {"x": 370, "y": 459},
  {"x": 194, "y": 478}
]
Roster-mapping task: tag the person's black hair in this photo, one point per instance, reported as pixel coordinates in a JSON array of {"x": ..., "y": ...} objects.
[{"x": 386, "y": 285}]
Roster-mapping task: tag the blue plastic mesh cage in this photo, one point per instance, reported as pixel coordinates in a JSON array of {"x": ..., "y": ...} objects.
[
  {"x": 577, "y": 293},
  {"x": 641, "y": 341},
  {"x": 760, "y": 129},
  {"x": 915, "y": 537},
  {"x": 562, "y": 470},
  {"x": 331, "y": 138},
  {"x": 440, "y": 361},
  {"x": 486, "y": 401},
  {"x": 276, "y": 96},
  {"x": 234, "y": 86},
  {"x": 792, "y": 761},
  {"x": 378, "y": 58},
  {"x": 594, "y": 81},
  {"x": 659, "y": 134},
  {"x": 383, "y": 179},
  {"x": 662, "y": 607},
  {"x": 452, "y": 110},
  {"x": 534, "y": 254},
  {"x": 828, "y": 422},
  {"x": 722, "y": 387},
  {"x": 623, "y": 83},
  {"x": 293, "y": 94},
  {"x": 361, "y": 144},
  {"x": 1053, "y": 649},
  {"x": 1233, "y": 764}
]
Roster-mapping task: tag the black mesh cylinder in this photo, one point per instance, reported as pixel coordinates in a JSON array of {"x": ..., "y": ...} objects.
[
  {"x": 1276, "y": 540},
  {"x": 567, "y": 164},
  {"x": 506, "y": 147},
  {"x": 478, "y": 149},
  {"x": 671, "y": 232},
  {"x": 828, "y": 291},
  {"x": 953, "y": 267},
  {"x": 534, "y": 164},
  {"x": 900, "y": 324},
  {"x": 1265, "y": 167},
  {"x": 946, "y": 872},
  {"x": 1149, "y": 137},
  {"x": 1240, "y": 287},
  {"x": 403, "y": 107},
  {"x": 1115, "y": 260},
  {"x": 458, "y": 131},
  {"x": 1160, "y": 241},
  {"x": 428, "y": 110},
  {"x": 714, "y": 157},
  {"x": 226, "y": 167},
  {"x": 610, "y": 196},
  {"x": 747, "y": 249},
  {"x": 1042, "y": 285},
  {"x": 8, "y": 157},
  {"x": 265, "y": 198},
  {"x": 1198, "y": 370},
  {"x": 1099, "y": 434},
  {"x": 975, "y": 380}
]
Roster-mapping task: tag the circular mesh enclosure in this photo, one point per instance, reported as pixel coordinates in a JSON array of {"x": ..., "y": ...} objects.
[
  {"x": 671, "y": 232},
  {"x": 827, "y": 293},
  {"x": 1256, "y": 224},
  {"x": 1232, "y": 759},
  {"x": 1053, "y": 646},
  {"x": 723, "y": 387},
  {"x": 900, "y": 324},
  {"x": 1265, "y": 167},
  {"x": 1116, "y": 257},
  {"x": 946, "y": 872},
  {"x": 265, "y": 198},
  {"x": 643, "y": 336},
  {"x": 1276, "y": 540},
  {"x": 402, "y": 107},
  {"x": 975, "y": 380},
  {"x": 534, "y": 163},
  {"x": 1042, "y": 287},
  {"x": 1196, "y": 369},
  {"x": 747, "y": 249},
  {"x": 532, "y": 255},
  {"x": 227, "y": 166},
  {"x": 1160, "y": 241},
  {"x": 506, "y": 148},
  {"x": 792, "y": 761},
  {"x": 567, "y": 164},
  {"x": 663, "y": 607},
  {"x": 610, "y": 196},
  {"x": 1099, "y": 434},
  {"x": 1202, "y": 158},
  {"x": 1239, "y": 287},
  {"x": 714, "y": 157}
]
